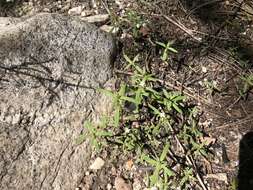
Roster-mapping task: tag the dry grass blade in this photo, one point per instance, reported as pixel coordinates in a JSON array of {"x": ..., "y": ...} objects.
[
  {"x": 249, "y": 118},
  {"x": 203, "y": 5},
  {"x": 179, "y": 25}
]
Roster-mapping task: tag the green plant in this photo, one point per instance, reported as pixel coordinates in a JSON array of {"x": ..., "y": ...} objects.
[
  {"x": 96, "y": 134},
  {"x": 139, "y": 89},
  {"x": 118, "y": 100},
  {"x": 135, "y": 21},
  {"x": 150, "y": 121},
  {"x": 130, "y": 140},
  {"x": 239, "y": 56},
  {"x": 166, "y": 49},
  {"x": 211, "y": 86},
  {"x": 234, "y": 184},
  {"x": 187, "y": 177},
  {"x": 162, "y": 172},
  {"x": 247, "y": 84}
]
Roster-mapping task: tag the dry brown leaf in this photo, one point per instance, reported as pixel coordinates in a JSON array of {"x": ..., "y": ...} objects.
[
  {"x": 97, "y": 164},
  {"x": 145, "y": 31},
  {"x": 129, "y": 164}
]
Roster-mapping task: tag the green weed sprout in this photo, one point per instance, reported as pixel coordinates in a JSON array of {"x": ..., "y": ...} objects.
[
  {"x": 247, "y": 86},
  {"x": 160, "y": 166},
  {"x": 96, "y": 134},
  {"x": 166, "y": 49}
]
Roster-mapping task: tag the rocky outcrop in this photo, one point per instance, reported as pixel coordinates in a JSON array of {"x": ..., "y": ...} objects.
[{"x": 50, "y": 68}]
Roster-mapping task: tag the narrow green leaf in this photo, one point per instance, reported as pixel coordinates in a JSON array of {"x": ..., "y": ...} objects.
[
  {"x": 129, "y": 99},
  {"x": 137, "y": 68},
  {"x": 149, "y": 160},
  {"x": 136, "y": 58},
  {"x": 161, "y": 44},
  {"x": 138, "y": 96},
  {"x": 104, "y": 134},
  {"x": 89, "y": 127},
  {"x": 80, "y": 139},
  {"x": 179, "y": 98},
  {"x": 164, "y": 152},
  {"x": 128, "y": 59},
  {"x": 106, "y": 92},
  {"x": 94, "y": 142},
  {"x": 177, "y": 108},
  {"x": 172, "y": 50},
  {"x": 166, "y": 94},
  {"x": 203, "y": 152},
  {"x": 156, "y": 111},
  {"x": 168, "y": 172},
  {"x": 154, "y": 178},
  {"x": 152, "y": 91},
  {"x": 117, "y": 116},
  {"x": 122, "y": 90}
]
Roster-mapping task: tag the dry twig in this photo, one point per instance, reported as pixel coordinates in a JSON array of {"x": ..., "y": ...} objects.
[{"x": 249, "y": 118}]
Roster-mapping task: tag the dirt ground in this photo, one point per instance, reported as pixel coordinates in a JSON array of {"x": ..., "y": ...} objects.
[{"x": 215, "y": 44}]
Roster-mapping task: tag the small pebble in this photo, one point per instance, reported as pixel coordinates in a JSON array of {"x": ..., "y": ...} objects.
[
  {"x": 85, "y": 13},
  {"x": 97, "y": 164},
  {"x": 137, "y": 185},
  {"x": 75, "y": 11},
  {"x": 109, "y": 29},
  {"x": 109, "y": 186},
  {"x": 120, "y": 184},
  {"x": 96, "y": 18},
  {"x": 204, "y": 69}
]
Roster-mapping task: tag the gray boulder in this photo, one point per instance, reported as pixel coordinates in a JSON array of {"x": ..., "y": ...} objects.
[{"x": 50, "y": 68}]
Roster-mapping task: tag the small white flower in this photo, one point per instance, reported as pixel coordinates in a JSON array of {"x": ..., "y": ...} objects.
[
  {"x": 127, "y": 130},
  {"x": 162, "y": 115},
  {"x": 142, "y": 83},
  {"x": 204, "y": 69}
]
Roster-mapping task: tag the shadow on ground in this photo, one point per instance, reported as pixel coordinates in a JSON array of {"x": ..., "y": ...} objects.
[
  {"x": 245, "y": 174},
  {"x": 224, "y": 19}
]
